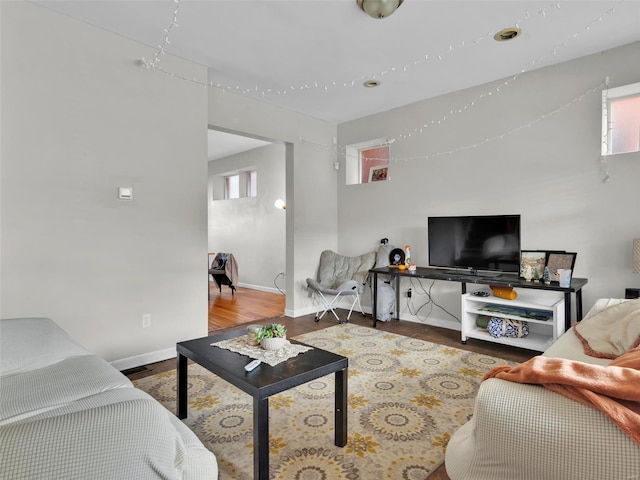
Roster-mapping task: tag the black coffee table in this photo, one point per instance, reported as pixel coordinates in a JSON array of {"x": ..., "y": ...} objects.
[{"x": 264, "y": 382}]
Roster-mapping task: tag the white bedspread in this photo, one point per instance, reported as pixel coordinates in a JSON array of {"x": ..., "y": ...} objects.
[{"x": 67, "y": 415}]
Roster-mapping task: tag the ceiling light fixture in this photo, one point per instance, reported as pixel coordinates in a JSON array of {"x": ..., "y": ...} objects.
[
  {"x": 371, "y": 83},
  {"x": 507, "y": 34},
  {"x": 379, "y": 8}
]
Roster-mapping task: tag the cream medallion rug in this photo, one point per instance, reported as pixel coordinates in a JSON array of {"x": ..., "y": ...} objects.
[{"x": 406, "y": 398}]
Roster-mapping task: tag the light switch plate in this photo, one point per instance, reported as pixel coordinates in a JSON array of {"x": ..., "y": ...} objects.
[{"x": 125, "y": 193}]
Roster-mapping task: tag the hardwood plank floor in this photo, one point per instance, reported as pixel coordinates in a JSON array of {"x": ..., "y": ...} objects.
[
  {"x": 245, "y": 306},
  {"x": 227, "y": 311}
]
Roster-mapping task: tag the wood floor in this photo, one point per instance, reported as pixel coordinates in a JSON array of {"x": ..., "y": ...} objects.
[
  {"x": 227, "y": 311},
  {"x": 245, "y": 306}
]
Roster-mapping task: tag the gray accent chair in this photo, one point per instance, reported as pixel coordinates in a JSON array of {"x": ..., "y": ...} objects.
[{"x": 339, "y": 277}]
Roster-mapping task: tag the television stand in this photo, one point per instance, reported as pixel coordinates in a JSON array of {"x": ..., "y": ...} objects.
[{"x": 464, "y": 277}]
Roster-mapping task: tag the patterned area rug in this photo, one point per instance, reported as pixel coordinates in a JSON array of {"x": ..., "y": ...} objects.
[{"x": 406, "y": 398}]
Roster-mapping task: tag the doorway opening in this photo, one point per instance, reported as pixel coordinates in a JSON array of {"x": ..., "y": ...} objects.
[{"x": 247, "y": 224}]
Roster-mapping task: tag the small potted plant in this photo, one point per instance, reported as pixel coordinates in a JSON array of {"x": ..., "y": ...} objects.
[{"x": 272, "y": 336}]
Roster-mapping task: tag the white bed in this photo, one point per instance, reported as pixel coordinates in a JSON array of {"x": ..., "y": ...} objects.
[{"x": 68, "y": 414}]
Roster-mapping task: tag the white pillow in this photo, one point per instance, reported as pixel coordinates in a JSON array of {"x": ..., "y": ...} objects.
[{"x": 612, "y": 331}]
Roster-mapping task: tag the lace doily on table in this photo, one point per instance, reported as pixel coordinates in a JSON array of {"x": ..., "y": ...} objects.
[{"x": 271, "y": 357}]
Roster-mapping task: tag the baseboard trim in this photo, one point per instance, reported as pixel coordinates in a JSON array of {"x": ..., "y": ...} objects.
[
  {"x": 434, "y": 322},
  {"x": 261, "y": 288},
  {"x": 144, "y": 359},
  {"x": 167, "y": 353}
]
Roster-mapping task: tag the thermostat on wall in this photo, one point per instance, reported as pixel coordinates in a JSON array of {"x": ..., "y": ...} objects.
[{"x": 125, "y": 193}]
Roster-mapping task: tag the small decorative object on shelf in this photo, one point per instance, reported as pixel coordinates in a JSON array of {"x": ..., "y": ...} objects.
[
  {"x": 527, "y": 273},
  {"x": 407, "y": 260},
  {"x": 536, "y": 275},
  {"x": 546, "y": 276},
  {"x": 252, "y": 331},
  {"x": 396, "y": 258},
  {"x": 507, "y": 293},
  {"x": 272, "y": 336}
]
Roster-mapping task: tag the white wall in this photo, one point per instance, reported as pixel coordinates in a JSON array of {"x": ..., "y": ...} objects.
[
  {"x": 80, "y": 118},
  {"x": 548, "y": 172},
  {"x": 311, "y": 182},
  {"x": 251, "y": 227}
]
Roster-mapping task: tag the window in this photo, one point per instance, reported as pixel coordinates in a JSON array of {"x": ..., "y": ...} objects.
[
  {"x": 621, "y": 119},
  {"x": 240, "y": 185},
  {"x": 367, "y": 162},
  {"x": 252, "y": 184},
  {"x": 232, "y": 186}
]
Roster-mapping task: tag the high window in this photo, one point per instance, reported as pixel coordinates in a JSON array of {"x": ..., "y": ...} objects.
[
  {"x": 232, "y": 186},
  {"x": 367, "y": 162},
  {"x": 252, "y": 183},
  {"x": 621, "y": 119}
]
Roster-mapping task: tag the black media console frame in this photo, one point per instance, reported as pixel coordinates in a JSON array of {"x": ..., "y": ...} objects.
[{"x": 464, "y": 277}]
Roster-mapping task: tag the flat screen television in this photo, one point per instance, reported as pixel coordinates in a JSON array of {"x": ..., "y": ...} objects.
[{"x": 487, "y": 243}]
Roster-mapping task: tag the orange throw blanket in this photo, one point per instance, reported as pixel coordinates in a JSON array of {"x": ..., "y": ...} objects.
[{"x": 613, "y": 389}]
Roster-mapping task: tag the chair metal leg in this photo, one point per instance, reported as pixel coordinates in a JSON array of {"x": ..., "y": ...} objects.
[
  {"x": 326, "y": 305},
  {"x": 353, "y": 304},
  {"x": 331, "y": 306}
]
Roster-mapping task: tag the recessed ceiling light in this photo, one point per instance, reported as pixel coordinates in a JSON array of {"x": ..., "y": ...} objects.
[
  {"x": 507, "y": 34},
  {"x": 372, "y": 83}
]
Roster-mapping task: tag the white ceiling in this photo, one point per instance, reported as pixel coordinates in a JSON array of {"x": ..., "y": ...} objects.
[
  {"x": 313, "y": 55},
  {"x": 222, "y": 144}
]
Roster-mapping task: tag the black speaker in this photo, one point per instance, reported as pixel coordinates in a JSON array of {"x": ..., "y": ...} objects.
[{"x": 632, "y": 293}]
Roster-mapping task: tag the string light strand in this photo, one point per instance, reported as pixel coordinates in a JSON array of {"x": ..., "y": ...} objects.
[
  {"x": 152, "y": 64},
  {"x": 498, "y": 89},
  {"x": 501, "y": 136}
]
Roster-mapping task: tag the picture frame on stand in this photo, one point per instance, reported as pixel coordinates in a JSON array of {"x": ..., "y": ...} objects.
[
  {"x": 559, "y": 260},
  {"x": 532, "y": 263}
]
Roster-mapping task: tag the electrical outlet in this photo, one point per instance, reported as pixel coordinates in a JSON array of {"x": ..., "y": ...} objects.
[
  {"x": 409, "y": 293},
  {"x": 146, "y": 320}
]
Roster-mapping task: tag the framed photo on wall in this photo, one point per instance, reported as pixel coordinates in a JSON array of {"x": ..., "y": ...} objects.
[
  {"x": 557, "y": 260},
  {"x": 532, "y": 264},
  {"x": 378, "y": 174}
]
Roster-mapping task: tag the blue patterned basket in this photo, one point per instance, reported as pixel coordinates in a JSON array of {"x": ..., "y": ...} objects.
[{"x": 505, "y": 327}]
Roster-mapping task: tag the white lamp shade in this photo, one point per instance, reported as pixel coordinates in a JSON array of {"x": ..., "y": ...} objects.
[
  {"x": 636, "y": 255},
  {"x": 279, "y": 203}
]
